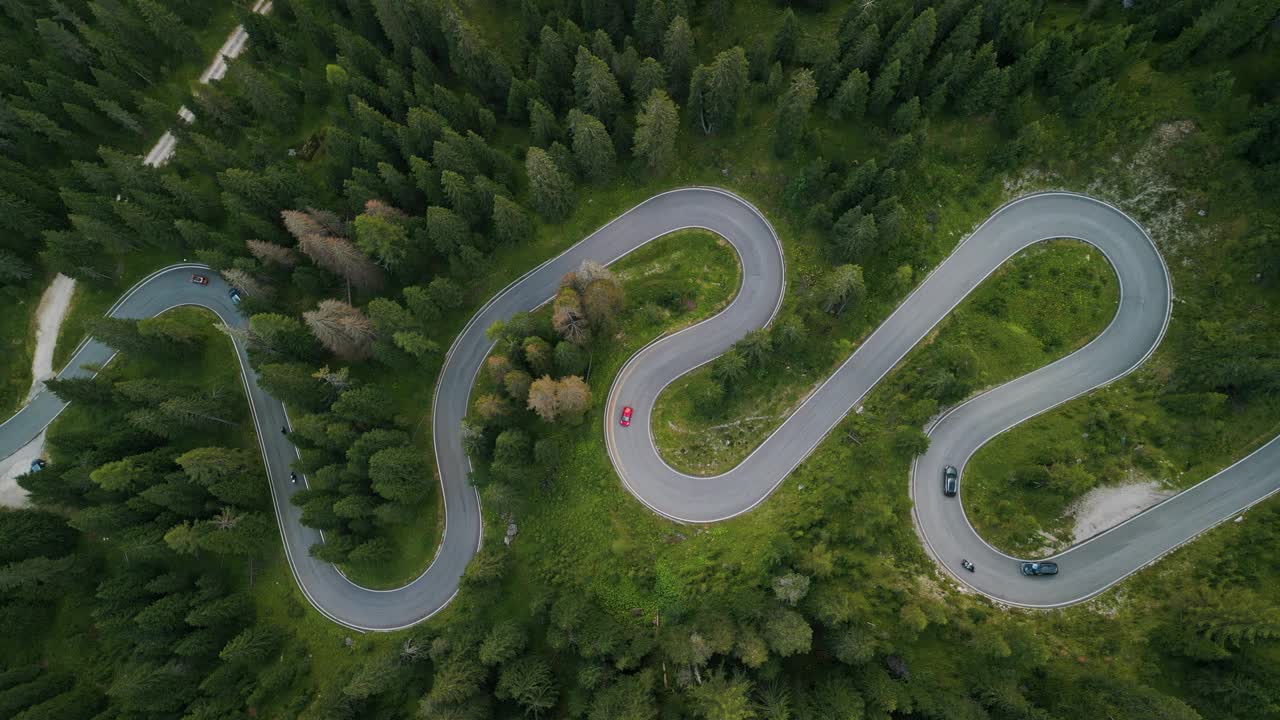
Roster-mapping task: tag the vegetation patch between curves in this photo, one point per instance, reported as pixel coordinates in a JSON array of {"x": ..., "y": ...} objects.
[
  {"x": 1044, "y": 303},
  {"x": 669, "y": 284}
]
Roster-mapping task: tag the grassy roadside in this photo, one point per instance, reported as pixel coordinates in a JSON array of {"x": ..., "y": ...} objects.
[{"x": 1044, "y": 303}]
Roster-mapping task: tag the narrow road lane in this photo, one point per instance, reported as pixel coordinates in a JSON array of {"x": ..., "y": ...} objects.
[{"x": 1087, "y": 569}]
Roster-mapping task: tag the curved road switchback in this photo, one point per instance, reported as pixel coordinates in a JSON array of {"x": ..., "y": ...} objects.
[{"x": 1087, "y": 569}]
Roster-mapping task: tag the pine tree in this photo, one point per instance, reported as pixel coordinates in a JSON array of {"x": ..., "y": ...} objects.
[
  {"x": 13, "y": 269},
  {"x": 793, "y": 112},
  {"x": 721, "y": 697},
  {"x": 906, "y": 117},
  {"x": 656, "y": 126},
  {"x": 592, "y": 147},
  {"x": 850, "y": 101},
  {"x": 650, "y": 76},
  {"x": 396, "y": 474},
  {"x": 462, "y": 197},
  {"x": 542, "y": 123},
  {"x": 595, "y": 88},
  {"x": 678, "y": 55},
  {"x": 504, "y": 641},
  {"x": 551, "y": 189},
  {"x": 511, "y": 224},
  {"x": 529, "y": 682},
  {"x": 864, "y": 52},
  {"x": 841, "y": 286},
  {"x": 986, "y": 84},
  {"x": 885, "y": 87},
  {"x": 856, "y": 235},
  {"x": 449, "y": 233},
  {"x": 786, "y": 39},
  {"x": 717, "y": 90}
]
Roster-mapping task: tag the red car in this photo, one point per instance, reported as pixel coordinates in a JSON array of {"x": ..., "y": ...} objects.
[
  {"x": 199, "y": 279},
  {"x": 626, "y": 416}
]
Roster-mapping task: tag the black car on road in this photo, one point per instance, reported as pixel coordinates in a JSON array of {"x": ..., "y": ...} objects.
[
  {"x": 950, "y": 481},
  {"x": 1039, "y": 568}
]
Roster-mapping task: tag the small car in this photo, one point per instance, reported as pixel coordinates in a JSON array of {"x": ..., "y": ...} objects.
[
  {"x": 38, "y": 464},
  {"x": 626, "y": 416},
  {"x": 1039, "y": 568},
  {"x": 200, "y": 279},
  {"x": 950, "y": 481},
  {"x": 234, "y": 294}
]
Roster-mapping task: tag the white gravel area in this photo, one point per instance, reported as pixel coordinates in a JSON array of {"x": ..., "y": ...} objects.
[
  {"x": 54, "y": 304},
  {"x": 1104, "y": 507}
]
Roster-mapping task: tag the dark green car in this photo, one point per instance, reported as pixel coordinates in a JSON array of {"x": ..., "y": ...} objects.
[
  {"x": 1040, "y": 568},
  {"x": 950, "y": 481}
]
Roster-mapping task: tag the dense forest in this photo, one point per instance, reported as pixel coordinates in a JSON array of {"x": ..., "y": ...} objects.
[{"x": 371, "y": 171}]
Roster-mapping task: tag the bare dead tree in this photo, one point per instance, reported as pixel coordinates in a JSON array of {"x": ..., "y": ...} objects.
[
  {"x": 301, "y": 224},
  {"x": 332, "y": 224},
  {"x": 246, "y": 283},
  {"x": 225, "y": 520},
  {"x": 244, "y": 335},
  {"x": 341, "y": 328},
  {"x": 271, "y": 253},
  {"x": 568, "y": 319},
  {"x": 341, "y": 257}
]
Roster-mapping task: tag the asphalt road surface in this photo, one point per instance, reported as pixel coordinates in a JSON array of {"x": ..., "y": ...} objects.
[{"x": 1087, "y": 569}]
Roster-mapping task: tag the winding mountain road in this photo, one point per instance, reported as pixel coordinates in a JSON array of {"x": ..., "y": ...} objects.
[{"x": 1087, "y": 569}]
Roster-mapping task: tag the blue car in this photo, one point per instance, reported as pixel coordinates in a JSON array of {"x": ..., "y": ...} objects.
[
  {"x": 234, "y": 295},
  {"x": 38, "y": 464}
]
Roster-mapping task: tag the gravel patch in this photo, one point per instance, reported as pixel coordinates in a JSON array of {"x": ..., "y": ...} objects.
[{"x": 1104, "y": 507}]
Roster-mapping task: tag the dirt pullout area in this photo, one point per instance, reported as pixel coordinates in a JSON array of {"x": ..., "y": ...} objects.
[
  {"x": 54, "y": 304},
  {"x": 1104, "y": 507}
]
